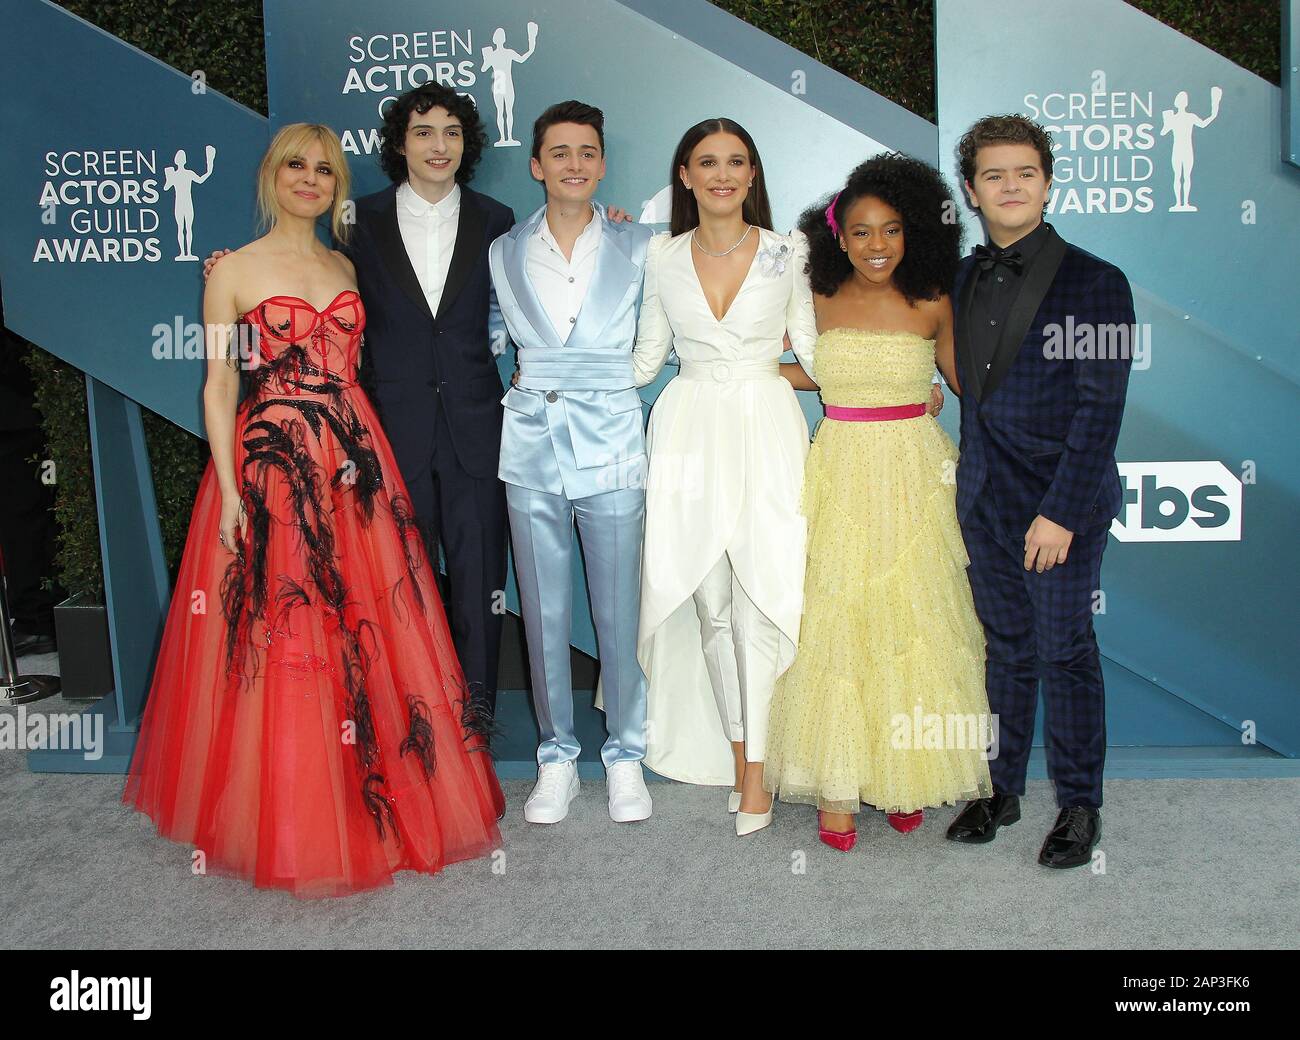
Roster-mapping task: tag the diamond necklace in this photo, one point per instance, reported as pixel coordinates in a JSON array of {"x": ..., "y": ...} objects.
[{"x": 748, "y": 229}]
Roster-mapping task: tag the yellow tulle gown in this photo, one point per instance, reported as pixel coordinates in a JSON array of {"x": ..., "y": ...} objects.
[{"x": 884, "y": 703}]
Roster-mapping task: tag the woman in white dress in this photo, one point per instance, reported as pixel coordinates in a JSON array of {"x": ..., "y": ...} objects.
[{"x": 723, "y": 564}]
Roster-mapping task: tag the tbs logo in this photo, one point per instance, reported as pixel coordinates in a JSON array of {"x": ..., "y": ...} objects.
[{"x": 1178, "y": 502}]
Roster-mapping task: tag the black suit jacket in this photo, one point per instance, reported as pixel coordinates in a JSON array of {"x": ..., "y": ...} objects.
[{"x": 415, "y": 363}]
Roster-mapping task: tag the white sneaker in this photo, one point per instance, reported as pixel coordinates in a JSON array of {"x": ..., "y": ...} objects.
[
  {"x": 629, "y": 800},
  {"x": 557, "y": 786}
]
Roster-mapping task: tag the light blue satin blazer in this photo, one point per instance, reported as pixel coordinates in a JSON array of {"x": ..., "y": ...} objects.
[{"x": 574, "y": 423}]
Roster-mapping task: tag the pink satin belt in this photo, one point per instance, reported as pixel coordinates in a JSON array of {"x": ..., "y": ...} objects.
[{"x": 896, "y": 411}]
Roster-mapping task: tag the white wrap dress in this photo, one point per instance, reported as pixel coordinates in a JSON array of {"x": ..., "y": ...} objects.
[{"x": 727, "y": 442}]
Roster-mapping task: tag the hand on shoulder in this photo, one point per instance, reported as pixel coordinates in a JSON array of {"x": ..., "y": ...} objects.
[
  {"x": 221, "y": 288},
  {"x": 222, "y": 268},
  {"x": 218, "y": 254}
]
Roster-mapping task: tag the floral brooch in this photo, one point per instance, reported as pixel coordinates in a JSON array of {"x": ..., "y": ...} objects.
[{"x": 772, "y": 260}]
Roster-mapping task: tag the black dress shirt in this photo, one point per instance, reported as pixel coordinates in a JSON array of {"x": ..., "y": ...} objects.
[{"x": 995, "y": 291}]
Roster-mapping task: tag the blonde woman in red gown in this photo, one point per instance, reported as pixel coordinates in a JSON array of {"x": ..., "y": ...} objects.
[{"x": 307, "y": 727}]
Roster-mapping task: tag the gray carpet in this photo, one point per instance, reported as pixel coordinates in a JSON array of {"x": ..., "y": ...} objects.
[{"x": 1189, "y": 864}]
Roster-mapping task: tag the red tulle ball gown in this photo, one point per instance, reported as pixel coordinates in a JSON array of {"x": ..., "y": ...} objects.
[{"x": 308, "y": 726}]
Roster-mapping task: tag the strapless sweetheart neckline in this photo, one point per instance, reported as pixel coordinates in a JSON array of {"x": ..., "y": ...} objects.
[
  {"x": 876, "y": 332},
  {"x": 306, "y": 303}
]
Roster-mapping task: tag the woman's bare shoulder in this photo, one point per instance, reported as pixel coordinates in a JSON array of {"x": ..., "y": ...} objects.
[
  {"x": 348, "y": 267},
  {"x": 939, "y": 308},
  {"x": 258, "y": 247},
  {"x": 937, "y": 312}
]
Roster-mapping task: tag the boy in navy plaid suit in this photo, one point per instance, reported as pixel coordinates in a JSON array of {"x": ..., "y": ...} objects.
[{"x": 1044, "y": 333}]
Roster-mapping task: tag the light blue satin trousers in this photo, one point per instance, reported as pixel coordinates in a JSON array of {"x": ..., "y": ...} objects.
[{"x": 610, "y": 526}]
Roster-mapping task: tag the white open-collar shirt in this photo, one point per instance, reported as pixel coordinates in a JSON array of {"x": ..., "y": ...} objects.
[
  {"x": 561, "y": 285},
  {"x": 429, "y": 235}
]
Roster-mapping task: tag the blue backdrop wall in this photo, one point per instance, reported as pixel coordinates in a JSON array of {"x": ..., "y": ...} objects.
[{"x": 1200, "y": 574}]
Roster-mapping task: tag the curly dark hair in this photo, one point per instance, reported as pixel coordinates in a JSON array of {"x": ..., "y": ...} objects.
[
  {"x": 1010, "y": 129},
  {"x": 931, "y": 230},
  {"x": 392, "y": 135}
]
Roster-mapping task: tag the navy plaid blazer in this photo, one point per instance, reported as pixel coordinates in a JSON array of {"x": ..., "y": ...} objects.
[{"x": 1039, "y": 426}]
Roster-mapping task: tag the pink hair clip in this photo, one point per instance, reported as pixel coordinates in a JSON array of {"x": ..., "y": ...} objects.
[{"x": 830, "y": 215}]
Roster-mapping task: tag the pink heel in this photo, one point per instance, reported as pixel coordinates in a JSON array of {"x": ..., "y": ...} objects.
[
  {"x": 842, "y": 840},
  {"x": 906, "y": 822}
]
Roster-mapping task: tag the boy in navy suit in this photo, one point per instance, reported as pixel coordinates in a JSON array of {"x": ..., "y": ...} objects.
[
  {"x": 420, "y": 249},
  {"x": 1037, "y": 484}
]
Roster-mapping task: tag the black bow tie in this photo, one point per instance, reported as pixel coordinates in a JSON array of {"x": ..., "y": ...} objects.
[{"x": 986, "y": 258}]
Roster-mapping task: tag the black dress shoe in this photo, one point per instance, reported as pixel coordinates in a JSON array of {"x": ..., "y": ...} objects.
[
  {"x": 980, "y": 820},
  {"x": 1070, "y": 843}
]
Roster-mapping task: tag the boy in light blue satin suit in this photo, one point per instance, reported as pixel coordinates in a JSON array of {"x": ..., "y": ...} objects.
[{"x": 568, "y": 283}]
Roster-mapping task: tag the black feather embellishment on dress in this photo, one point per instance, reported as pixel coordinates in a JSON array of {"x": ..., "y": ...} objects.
[
  {"x": 378, "y": 805},
  {"x": 291, "y": 594},
  {"x": 419, "y": 740},
  {"x": 408, "y": 529},
  {"x": 279, "y": 417},
  {"x": 476, "y": 720}
]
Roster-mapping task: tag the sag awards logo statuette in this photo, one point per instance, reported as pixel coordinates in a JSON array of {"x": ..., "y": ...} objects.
[
  {"x": 1104, "y": 141},
  {"x": 181, "y": 180},
  {"x": 1181, "y": 123},
  {"x": 102, "y": 206},
  {"x": 501, "y": 60},
  {"x": 389, "y": 64}
]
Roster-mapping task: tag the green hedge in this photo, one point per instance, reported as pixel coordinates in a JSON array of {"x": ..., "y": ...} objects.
[
  {"x": 176, "y": 457},
  {"x": 887, "y": 45}
]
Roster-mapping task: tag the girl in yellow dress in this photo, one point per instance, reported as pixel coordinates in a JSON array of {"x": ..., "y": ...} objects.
[{"x": 884, "y": 703}]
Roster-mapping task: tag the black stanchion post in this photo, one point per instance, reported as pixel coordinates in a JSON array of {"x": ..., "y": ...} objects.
[{"x": 15, "y": 688}]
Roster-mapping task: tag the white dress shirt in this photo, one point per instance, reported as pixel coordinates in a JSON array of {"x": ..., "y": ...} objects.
[
  {"x": 561, "y": 285},
  {"x": 429, "y": 234}
]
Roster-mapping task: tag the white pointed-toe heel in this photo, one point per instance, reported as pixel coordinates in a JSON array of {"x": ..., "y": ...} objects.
[
  {"x": 748, "y": 822},
  {"x": 733, "y": 801}
]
